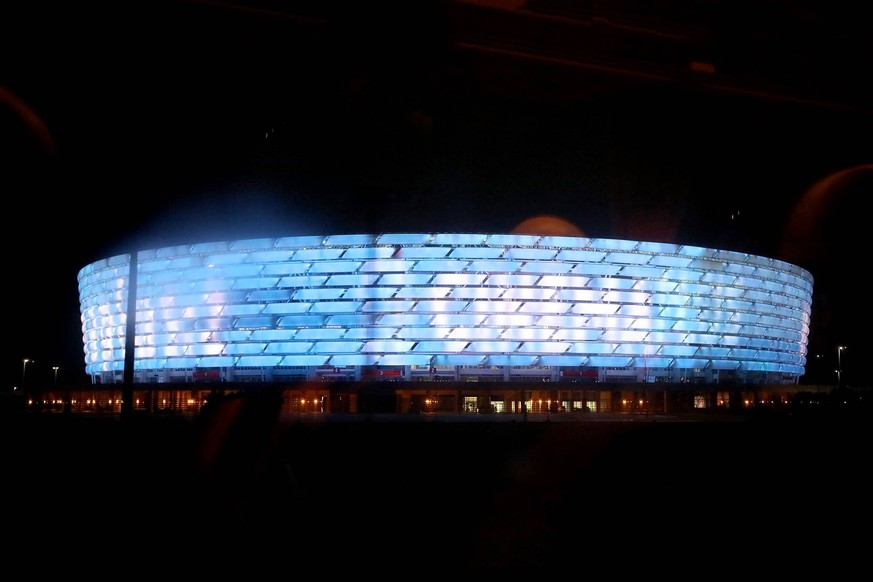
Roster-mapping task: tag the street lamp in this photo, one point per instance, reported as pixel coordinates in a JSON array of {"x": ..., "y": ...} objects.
[
  {"x": 56, "y": 368},
  {"x": 839, "y": 365},
  {"x": 24, "y": 370}
]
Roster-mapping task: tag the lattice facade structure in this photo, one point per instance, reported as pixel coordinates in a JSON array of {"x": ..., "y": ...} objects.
[{"x": 425, "y": 306}]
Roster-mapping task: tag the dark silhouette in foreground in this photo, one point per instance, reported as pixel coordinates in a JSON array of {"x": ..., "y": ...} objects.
[{"x": 242, "y": 484}]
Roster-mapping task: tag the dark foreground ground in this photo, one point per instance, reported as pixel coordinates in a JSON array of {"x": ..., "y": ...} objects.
[{"x": 242, "y": 489}]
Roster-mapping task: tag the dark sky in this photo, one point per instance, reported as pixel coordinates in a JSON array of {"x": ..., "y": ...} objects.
[{"x": 143, "y": 127}]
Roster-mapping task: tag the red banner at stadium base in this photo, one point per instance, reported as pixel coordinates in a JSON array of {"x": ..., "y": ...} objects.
[
  {"x": 371, "y": 373},
  {"x": 579, "y": 373}
]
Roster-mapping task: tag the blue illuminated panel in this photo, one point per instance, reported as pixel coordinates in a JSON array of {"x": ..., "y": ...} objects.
[{"x": 446, "y": 300}]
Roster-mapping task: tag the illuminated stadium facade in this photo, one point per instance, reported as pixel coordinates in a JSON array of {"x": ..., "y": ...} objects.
[{"x": 453, "y": 307}]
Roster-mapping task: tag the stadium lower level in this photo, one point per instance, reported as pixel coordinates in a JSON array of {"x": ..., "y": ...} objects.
[{"x": 507, "y": 400}]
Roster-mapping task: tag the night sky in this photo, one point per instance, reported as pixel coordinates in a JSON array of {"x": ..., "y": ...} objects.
[{"x": 137, "y": 128}]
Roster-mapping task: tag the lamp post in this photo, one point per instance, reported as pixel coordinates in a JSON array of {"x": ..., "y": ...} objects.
[
  {"x": 26, "y": 361},
  {"x": 839, "y": 365},
  {"x": 56, "y": 368}
]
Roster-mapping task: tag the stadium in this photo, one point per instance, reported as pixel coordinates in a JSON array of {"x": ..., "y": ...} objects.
[{"x": 445, "y": 307}]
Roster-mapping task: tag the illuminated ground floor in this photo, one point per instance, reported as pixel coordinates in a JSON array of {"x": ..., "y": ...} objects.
[{"x": 456, "y": 398}]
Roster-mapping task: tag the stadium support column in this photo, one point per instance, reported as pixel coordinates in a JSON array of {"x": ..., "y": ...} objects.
[
  {"x": 129, "y": 339},
  {"x": 665, "y": 399}
]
